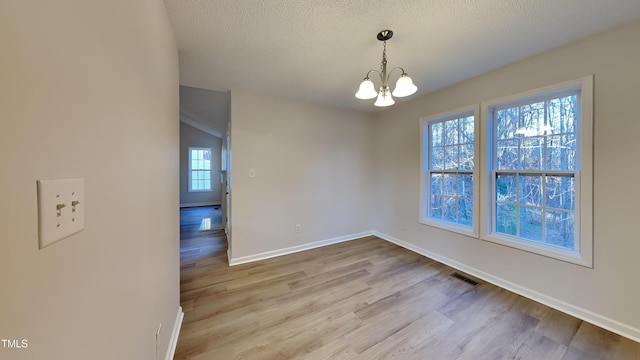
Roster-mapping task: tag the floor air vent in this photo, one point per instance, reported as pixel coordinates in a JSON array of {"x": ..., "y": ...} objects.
[{"x": 465, "y": 279}]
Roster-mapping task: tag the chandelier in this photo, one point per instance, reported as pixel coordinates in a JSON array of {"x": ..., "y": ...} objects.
[{"x": 404, "y": 85}]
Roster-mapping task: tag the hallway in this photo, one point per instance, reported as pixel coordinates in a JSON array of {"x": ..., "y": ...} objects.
[{"x": 201, "y": 234}]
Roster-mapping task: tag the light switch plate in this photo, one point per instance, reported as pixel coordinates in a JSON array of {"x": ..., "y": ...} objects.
[{"x": 60, "y": 209}]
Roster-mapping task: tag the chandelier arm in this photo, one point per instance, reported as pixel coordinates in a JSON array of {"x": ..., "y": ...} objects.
[
  {"x": 377, "y": 72},
  {"x": 396, "y": 68}
]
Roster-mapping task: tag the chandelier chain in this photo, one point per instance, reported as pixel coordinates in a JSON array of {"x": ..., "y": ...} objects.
[{"x": 384, "y": 55}]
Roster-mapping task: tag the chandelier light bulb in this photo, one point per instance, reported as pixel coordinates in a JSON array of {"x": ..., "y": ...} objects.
[
  {"x": 366, "y": 90},
  {"x": 384, "y": 99},
  {"x": 404, "y": 86}
]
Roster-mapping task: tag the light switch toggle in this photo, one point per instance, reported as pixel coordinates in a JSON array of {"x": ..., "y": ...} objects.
[
  {"x": 59, "y": 209},
  {"x": 73, "y": 205}
]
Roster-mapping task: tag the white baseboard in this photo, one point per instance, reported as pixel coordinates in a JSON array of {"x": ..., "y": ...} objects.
[
  {"x": 295, "y": 249},
  {"x": 583, "y": 314},
  {"x": 212, "y": 203},
  {"x": 173, "y": 341}
]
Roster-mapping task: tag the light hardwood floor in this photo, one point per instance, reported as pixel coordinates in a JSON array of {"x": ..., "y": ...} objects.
[{"x": 365, "y": 299}]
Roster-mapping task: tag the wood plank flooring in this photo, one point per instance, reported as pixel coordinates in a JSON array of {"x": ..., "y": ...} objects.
[{"x": 365, "y": 299}]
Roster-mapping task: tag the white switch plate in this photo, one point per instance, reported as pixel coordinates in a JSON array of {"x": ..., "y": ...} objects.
[
  {"x": 252, "y": 173},
  {"x": 60, "y": 209}
]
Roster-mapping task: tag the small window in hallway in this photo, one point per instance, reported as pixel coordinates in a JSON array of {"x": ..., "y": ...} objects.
[{"x": 199, "y": 169}]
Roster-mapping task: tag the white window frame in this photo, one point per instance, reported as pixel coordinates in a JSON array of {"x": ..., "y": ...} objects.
[
  {"x": 583, "y": 212},
  {"x": 425, "y": 167},
  {"x": 190, "y": 170}
]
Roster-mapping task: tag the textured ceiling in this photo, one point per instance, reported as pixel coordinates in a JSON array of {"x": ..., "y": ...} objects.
[{"x": 319, "y": 50}]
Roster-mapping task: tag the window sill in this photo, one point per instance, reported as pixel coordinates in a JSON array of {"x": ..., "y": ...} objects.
[
  {"x": 444, "y": 225},
  {"x": 570, "y": 256}
]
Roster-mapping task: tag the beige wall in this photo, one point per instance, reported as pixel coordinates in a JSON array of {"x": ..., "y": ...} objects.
[
  {"x": 192, "y": 137},
  {"x": 606, "y": 294},
  {"x": 89, "y": 89},
  {"x": 313, "y": 167}
]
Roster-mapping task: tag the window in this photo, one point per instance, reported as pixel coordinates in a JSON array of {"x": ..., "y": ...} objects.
[
  {"x": 449, "y": 195},
  {"x": 528, "y": 184},
  {"x": 539, "y": 171},
  {"x": 199, "y": 169}
]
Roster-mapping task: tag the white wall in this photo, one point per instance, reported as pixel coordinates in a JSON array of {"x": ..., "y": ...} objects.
[
  {"x": 313, "y": 167},
  {"x": 607, "y": 294},
  {"x": 192, "y": 137},
  {"x": 89, "y": 89}
]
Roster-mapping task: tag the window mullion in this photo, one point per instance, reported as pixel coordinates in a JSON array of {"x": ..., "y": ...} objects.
[
  {"x": 544, "y": 138},
  {"x": 520, "y": 125},
  {"x": 457, "y": 197},
  {"x": 543, "y": 202},
  {"x": 517, "y": 204}
]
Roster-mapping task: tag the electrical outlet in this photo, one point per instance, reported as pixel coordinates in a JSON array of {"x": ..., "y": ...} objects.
[
  {"x": 404, "y": 225},
  {"x": 60, "y": 209},
  {"x": 298, "y": 228}
]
